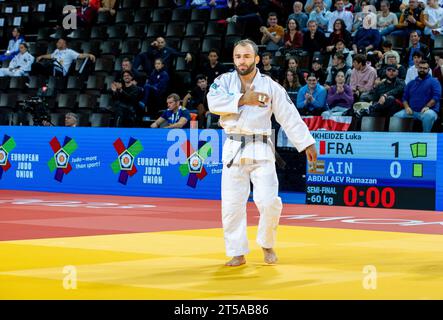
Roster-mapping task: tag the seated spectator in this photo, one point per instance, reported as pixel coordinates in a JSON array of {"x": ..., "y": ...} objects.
[
  {"x": 196, "y": 99},
  {"x": 267, "y": 68},
  {"x": 292, "y": 64},
  {"x": 359, "y": 16},
  {"x": 126, "y": 65},
  {"x": 385, "y": 18},
  {"x": 213, "y": 68},
  {"x": 348, "y": 6},
  {"x": 293, "y": 38},
  {"x": 71, "y": 120},
  {"x": 247, "y": 12},
  {"x": 341, "y": 48},
  {"x": 438, "y": 70},
  {"x": 412, "y": 19},
  {"x": 339, "y": 33},
  {"x": 158, "y": 49},
  {"x": 298, "y": 15},
  {"x": 13, "y": 45},
  {"x": 311, "y": 5},
  {"x": 273, "y": 34},
  {"x": 206, "y": 4},
  {"x": 387, "y": 94},
  {"x": 62, "y": 59},
  {"x": 391, "y": 60},
  {"x": 342, "y": 14},
  {"x": 416, "y": 45},
  {"x": 362, "y": 77},
  {"x": 366, "y": 38},
  {"x": 340, "y": 97},
  {"x": 424, "y": 106},
  {"x": 338, "y": 64},
  {"x": 292, "y": 85},
  {"x": 320, "y": 14},
  {"x": 20, "y": 65},
  {"x": 175, "y": 116},
  {"x": 86, "y": 15},
  {"x": 433, "y": 17},
  {"x": 311, "y": 98},
  {"x": 104, "y": 6},
  {"x": 317, "y": 69},
  {"x": 156, "y": 87},
  {"x": 314, "y": 40},
  {"x": 127, "y": 98},
  {"x": 412, "y": 72},
  {"x": 382, "y": 55}
]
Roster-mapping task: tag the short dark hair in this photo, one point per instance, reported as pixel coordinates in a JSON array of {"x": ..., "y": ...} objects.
[
  {"x": 272, "y": 14},
  {"x": 128, "y": 72},
  {"x": 126, "y": 59},
  {"x": 424, "y": 61},
  {"x": 173, "y": 96},
  {"x": 387, "y": 44},
  {"x": 214, "y": 50},
  {"x": 200, "y": 77},
  {"x": 246, "y": 42},
  {"x": 340, "y": 56},
  {"x": 360, "y": 58},
  {"x": 267, "y": 54},
  {"x": 417, "y": 54}
]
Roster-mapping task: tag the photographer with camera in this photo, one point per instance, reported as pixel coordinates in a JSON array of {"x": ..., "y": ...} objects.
[
  {"x": 412, "y": 19},
  {"x": 158, "y": 49},
  {"x": 20, "y": 65}
]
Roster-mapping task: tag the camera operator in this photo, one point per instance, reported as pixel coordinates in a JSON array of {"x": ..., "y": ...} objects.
[{"x": 412, "y": 18}]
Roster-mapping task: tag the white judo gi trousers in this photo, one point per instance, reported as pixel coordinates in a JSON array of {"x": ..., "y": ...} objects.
[{"x": 235, "y": 193}]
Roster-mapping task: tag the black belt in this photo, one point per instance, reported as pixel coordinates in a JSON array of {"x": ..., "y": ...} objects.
[{"x": 246, "y": 139}]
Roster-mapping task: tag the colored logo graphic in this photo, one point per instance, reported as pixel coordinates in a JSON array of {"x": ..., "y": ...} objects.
[
  {"x": 5, "y": 149},
  {"x": 418, "y": 150},
  {"x": 319, "y": 169},
  {"x": 126, "y": 156},
  {"x": 60, "y": 160},
  {"x": 194, "y": 167}
]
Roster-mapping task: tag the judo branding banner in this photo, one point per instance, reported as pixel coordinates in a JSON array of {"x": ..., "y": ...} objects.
[
  {"x": 377, "y": 169},
  {"x": 138, "y": 162}
]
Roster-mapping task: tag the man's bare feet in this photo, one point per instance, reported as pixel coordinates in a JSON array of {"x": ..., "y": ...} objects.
[
  {"x": 236, "y": 261},
  {"x": 270, "y": 256}
]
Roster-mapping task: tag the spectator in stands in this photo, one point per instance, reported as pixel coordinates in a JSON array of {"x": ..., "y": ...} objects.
[
  {"x": 267, "y": 68},
  {"x": 339, "y": 33},
  {"x": 126, "y": 65},
  {"x": 196, "y": 99},
  {"x": 273, "y": 34},
  {"x": 385, "y": 18},
  {"x": 311, "y": 98},
  {"x": 387, "y": 94},
  {"x": 340, "y": 13},
  {"x": 291, "y": 85},
  {"x": 127, "y": 98},
  {"x": 176, "y": 116},
  {"x": 62, "y": 59},
  {"x": 104, "y": 6},
  {"x": 206, "y": 4},
  {"x": 433, "y": 17},
  {"x": 367, "y": 38},
  {"x": 317, "y": 69},
  {"x": 298, "y": 15},
  {"x": 311, "y": 6},
  {"x": 156, "y": 87},
  {"x": 382, "y": 55},
  {"x": 416, "y": 45},
  {"x": 20, "y": 65},
  {"x": 293, "y": 37},
  {"x": 158, "y": 49},
  {"x": 424, "y": 106},
  {"x": 359, "y": 16},
  {"x": 411, "y": 19},
  {"x": 362, "y": 77},
  {"x": 247, "y": 12},
  {"x": 213, "y": 68},
  {"x": 340, "y": 97},
  {"x": 13, "y": 45},
  {"x": 86, "y": 15},
  {"x": 338, "y": 64},
  {"x": 438, "y": 70},
  {"x": 392, "y": 60},
  {"x": 71, "y": 120},
  {"x": 341, "y": 48},
  {"x": 348, "y": 6},
  {"x": 412, "y": 72},
  {"x": 313, "y": 39},
  {"x": 320, "y": 14},
  {"x": 292, "y": 64}
]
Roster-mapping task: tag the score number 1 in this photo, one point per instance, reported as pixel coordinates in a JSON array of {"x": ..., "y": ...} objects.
[{"x": 395, "y": 169}]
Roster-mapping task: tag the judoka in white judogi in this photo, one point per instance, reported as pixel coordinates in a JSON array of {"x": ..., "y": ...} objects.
[
  {"x": 20, "y": 65},
  {"x": 256, "y": 161}
]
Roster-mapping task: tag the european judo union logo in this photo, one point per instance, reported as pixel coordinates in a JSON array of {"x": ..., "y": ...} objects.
[
  {"x": 5, "y": 149},
  {"x": 60, "y": 160},
  {"x": 194, "y": 167},
  {"x": 126, "y": 157}
]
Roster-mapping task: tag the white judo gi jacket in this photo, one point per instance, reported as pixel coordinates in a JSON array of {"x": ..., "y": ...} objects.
[{"x": 223, "y": 98}]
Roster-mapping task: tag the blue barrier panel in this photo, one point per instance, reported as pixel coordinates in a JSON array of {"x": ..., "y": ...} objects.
[{"x": 137, "y": 162}]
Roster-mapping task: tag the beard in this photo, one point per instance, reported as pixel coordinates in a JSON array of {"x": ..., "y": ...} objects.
[
  {"x": 422, "y": 75},
  {"x": 250, "y": 69}
]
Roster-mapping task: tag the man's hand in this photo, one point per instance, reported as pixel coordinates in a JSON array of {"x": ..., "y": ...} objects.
[
  {"x": 92, "y": 57},
  {"x": 311, "y": 155},
  {"x": 252, "y": 98},
  {"x": 411, "y": 19},
  {"x": 382, "y": 100},
  {"x": 424, "y": 109},
  {"x": 188, "y": 57},
  {"x": 409, "y": 110}
]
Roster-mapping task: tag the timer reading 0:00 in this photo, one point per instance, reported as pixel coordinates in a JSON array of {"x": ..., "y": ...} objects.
[{"x": 372, "y": 197}]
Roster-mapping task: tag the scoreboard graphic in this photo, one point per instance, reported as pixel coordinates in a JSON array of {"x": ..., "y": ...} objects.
[{"x": 376, "y": 169}]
